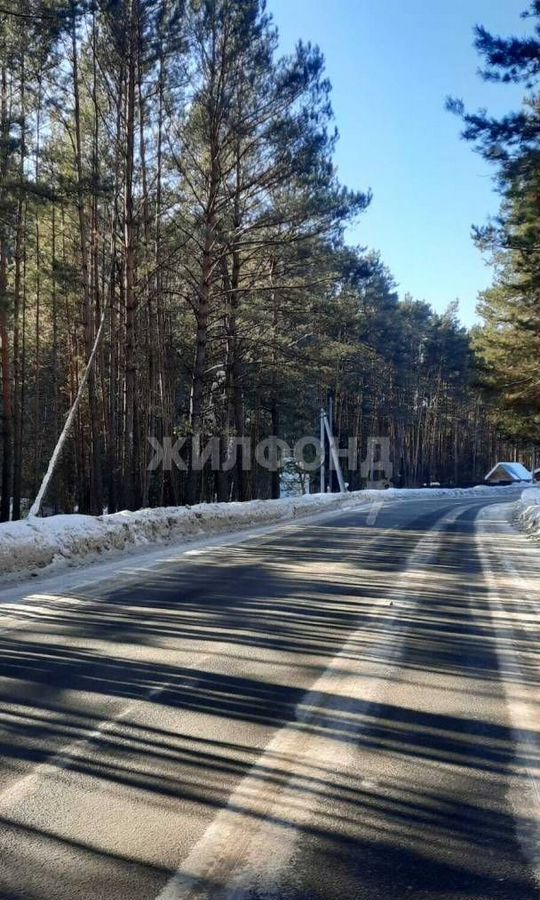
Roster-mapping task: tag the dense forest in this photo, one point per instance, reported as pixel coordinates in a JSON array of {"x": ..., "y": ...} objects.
[{"x": 173, "y": 255}]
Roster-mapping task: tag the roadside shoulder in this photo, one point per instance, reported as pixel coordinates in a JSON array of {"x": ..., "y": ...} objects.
[{"x": 527, "y": 513}]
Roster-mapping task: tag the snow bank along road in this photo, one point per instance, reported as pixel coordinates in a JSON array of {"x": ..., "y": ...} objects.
[
  {"x": 344, "y": 708},
  {"x": 53, "y": 543}
]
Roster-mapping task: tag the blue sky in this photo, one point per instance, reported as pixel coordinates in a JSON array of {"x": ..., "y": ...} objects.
[{"x": 392, "y": 63}]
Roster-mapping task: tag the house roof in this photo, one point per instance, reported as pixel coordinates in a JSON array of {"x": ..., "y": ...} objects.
[{"x": 515, "y": 471}]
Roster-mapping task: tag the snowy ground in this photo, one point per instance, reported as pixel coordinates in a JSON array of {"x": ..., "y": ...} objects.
[
  {"x": 59, "y": 541},
  {"x": 528, "y": 512}
]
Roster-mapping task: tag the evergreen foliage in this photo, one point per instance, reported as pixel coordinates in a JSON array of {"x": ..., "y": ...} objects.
[
  {"x": 162, "y": 167},
  {"x": 508, "y": 343}
]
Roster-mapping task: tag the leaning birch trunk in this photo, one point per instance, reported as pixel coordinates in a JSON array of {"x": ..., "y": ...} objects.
[{"x": 36, "y": 505}]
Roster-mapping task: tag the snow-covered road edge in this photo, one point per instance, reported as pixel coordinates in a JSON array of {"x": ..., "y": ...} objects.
[
  {"x": 528, "y": 512},
  {"x": 38, "y": 544}
]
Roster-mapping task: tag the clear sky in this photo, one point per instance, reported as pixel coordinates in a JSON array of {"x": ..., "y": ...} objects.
[{"x": 392, "y": 63}]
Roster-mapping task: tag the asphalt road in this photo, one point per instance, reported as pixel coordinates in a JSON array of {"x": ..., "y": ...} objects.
[{"x": 345, "y": 708}]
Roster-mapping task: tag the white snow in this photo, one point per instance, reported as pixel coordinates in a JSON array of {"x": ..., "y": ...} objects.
[
  {"x": 528, "y": 511},
  {"x": 34, "y": 543}
]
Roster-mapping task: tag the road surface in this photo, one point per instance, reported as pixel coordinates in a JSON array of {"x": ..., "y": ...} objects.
[{"x": 345, "y": 708}]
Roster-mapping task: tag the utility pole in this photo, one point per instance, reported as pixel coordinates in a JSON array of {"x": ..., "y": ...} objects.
[
  {"x": 325, "y": 426},
  {"x": 47, "y": 478},
  {"x": 323, "y": 452}
]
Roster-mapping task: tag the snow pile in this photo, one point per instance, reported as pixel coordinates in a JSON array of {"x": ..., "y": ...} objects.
[
  {"x": 528, "y": 511},
  {"x": 36, "y": 543},
  {"x": 70, "y": 539}
]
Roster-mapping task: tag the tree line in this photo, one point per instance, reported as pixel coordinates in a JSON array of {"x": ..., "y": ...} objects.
[{"x": 170, "y": 209}]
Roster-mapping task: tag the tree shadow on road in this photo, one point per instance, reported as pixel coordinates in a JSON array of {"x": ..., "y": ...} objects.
[{"x": 84, "y": 671}]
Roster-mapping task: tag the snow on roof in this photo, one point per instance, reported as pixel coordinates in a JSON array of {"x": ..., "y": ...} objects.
[{"x": 515, "y": 470}]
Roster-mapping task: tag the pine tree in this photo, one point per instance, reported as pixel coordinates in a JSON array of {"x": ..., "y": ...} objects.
[{"x": 509, "y": 342}]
